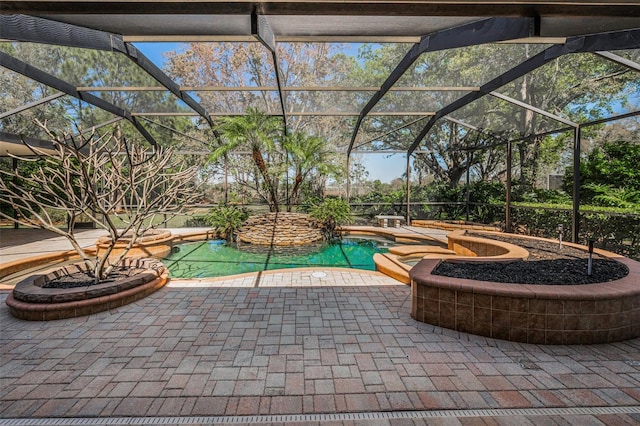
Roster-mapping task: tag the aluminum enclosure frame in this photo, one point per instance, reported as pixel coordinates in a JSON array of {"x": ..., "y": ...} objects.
[
  {"x": 42, "y": 30},
  {"x": 39, "y": 30},
  {"x": 36, "y": 74}
]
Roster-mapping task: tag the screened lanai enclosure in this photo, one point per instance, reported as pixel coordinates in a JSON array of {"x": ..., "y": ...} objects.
[{"x": 405, "y": 95}]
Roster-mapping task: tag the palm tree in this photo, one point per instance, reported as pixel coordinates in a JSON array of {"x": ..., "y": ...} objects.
[
  {"x": 261, "y": 134},
  {"x": 307, "y": 154}
]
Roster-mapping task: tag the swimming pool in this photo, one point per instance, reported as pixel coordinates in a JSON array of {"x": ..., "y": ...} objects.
[{"x": 215, "y": 258}]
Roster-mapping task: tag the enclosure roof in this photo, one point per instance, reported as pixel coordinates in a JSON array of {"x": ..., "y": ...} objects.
[
  {"x": 304, "y": 20},
  {"x": 426, "y": 25}
]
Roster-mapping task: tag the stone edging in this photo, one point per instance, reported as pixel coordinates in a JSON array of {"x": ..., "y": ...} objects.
[
  {"x": 157, "y": 244},
  {"x": 150, "y": 236},
  {"x": 29, "y": 301}
]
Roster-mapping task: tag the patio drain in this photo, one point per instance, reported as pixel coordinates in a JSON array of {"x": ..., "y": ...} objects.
[
  {"x": 301, "y": 418},
  {"x": 527, "y": 364}
]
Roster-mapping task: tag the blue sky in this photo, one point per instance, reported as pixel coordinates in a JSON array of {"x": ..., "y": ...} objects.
[
  {"x": 154, "y": 51},
  {"x": 384, "y": 167}
]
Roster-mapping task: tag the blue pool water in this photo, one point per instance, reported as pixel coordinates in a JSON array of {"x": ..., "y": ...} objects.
[{"x": 215, "y": 258}]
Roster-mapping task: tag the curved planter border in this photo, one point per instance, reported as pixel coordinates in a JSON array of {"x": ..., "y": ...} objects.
[
  {"x": 542, "y": 314},
  {"x": 461, "y": 248},
  {"x": 29, "y": 301},
  {"x": 157, "y": 244},
  {"x": 452, "y": 225}
]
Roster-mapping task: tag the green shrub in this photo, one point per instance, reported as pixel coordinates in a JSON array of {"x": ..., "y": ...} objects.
[
  {"x": 609, "y": 196},
  {"x": 330, "y": 214},
  {"x": 542, "y": 196},
  {"x": 308, "y": 203},
  {"x": 486, "y": 202},
  {"x": 614, "y": 164},
  {"x": 227, "y": 220},
  {"x": 612, "y": 229},
  {"x": 196, "y": 222}
]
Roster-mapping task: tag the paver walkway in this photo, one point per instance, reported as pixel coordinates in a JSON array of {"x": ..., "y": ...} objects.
[
  {"x": 299, "y": 342},
  {"x": 16, "y": 244},
  {"x": 307, "y": 346}
]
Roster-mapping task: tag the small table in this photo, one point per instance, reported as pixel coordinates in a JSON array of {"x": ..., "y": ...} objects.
[{"x": 384, "y": 221}]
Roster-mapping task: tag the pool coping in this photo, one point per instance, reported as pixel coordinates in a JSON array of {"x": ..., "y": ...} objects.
[{"x": 280, "y": 271}]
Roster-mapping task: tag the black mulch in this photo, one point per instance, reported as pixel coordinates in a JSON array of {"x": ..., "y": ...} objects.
[
  {"x": 547, "y": 264},
  {"x": 85, "y": 279}
]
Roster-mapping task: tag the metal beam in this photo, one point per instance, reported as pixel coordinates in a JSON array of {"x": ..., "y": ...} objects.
[
  {"x": 612, "y": 118},
  {"x": 189, "y": 38},
  {"x": 619, "y": 40},
  {"x": 532, "y": 108},
  {"x": 150, "y": 68},
  {"x": 22, "y": 145},
  {"x": 582, "y": 125},
  {"x": 40, "y": 76},
  {"x": 275, "y": 88},
  {"x": 462, "y": 123},
  {"x": 171, "y": 129},
  {"x": 30, "y": 105},
  {"x": 380, "y": 151},
  {"x": 292, "y": 114},
  {"x": 103, "y": 124},
  {"x": 507, "y": 211},
  {"x": 577, "y": 8},
  {"x": 121, "y": 89},
  {"x": 261, "y": 29},
  {"x": 390, "y": 132},
  {"x": 408, "y": 190},
  {"x": 619, "y": 60},
  {"x": 484, "y": 31},
  {"x": 39, "y": 30},
  {"x": 477, "y": 129},
  {"x": 537, "y": 135},
  {"x": 575, "y": 199}
]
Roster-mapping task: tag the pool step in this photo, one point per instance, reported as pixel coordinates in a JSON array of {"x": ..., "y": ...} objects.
[
  {"x": 419, "y": 250},
  {"x": 389, "y": 264}
]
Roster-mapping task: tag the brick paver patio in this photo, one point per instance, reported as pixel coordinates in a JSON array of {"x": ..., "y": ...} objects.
[{"x": 296, "y": 342}]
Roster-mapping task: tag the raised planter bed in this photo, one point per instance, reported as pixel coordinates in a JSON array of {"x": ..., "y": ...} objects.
[
  {"x": 280, "y": 229},
  {"x": 542, "y": 314},
  {"x": 30, "y": 300}
]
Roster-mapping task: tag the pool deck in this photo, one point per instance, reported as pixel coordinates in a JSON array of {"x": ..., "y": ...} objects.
[{"x": 312, "y": 346}]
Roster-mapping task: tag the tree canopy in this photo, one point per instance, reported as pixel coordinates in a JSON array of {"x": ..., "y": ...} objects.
[
  {"x": 578, "y": 87},
  {"x": 610, "y": 175}
]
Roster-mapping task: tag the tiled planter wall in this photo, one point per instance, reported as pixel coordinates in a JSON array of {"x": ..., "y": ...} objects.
[{"x": 543, "y": 314}]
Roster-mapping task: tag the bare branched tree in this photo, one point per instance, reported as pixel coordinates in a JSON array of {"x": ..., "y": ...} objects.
[{"x": 102, "y": 177}]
